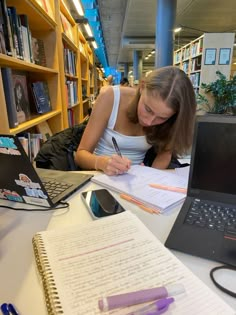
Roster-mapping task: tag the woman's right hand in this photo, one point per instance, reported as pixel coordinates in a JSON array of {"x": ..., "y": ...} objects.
[{"x": 113, "y": 165}]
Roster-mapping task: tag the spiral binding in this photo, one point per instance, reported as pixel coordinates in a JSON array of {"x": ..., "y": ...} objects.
[{"x": 52, "y": 299}]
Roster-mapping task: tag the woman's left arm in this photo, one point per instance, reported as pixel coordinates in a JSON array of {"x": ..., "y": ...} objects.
[{"x": 162, "y": 160}]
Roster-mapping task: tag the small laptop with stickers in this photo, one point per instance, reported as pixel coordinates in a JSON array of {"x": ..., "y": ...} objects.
[{"x": 21, "y": 182}]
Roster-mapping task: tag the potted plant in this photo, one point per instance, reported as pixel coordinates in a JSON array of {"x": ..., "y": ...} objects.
[{"x": 223, "y": 93}]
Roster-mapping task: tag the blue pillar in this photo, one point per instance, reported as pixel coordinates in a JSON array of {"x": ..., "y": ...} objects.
[
  {"x": 137, "y": 64},
  {"x": 165, "y": 22}
]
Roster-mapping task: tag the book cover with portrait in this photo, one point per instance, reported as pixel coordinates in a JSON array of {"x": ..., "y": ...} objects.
[
  {"x": 21, "y": 95},
  {"x": 38, "y": 52}
]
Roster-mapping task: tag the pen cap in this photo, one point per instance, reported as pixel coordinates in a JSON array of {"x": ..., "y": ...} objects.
[{"x": 175, "y": 289}]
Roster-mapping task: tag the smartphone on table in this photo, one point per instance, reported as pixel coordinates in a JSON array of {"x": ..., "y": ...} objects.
[{"x": 100, "y": 203}]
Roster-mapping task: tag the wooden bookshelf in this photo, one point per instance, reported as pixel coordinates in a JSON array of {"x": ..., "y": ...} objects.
[
  {"x": 43, "y": 26},
  {"x": 193, "y": 57},
  {"x": 55, "y": 26}
]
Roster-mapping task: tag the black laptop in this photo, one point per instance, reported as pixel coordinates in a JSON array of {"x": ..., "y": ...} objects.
[
  {"x": 21, "y": 182},
  {"x": 206, "y": 224}
]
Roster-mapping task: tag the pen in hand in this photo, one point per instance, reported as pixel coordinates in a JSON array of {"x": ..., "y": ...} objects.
[{"x": 116, "y": 147}]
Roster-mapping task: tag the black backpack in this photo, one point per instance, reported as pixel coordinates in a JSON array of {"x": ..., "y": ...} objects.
[{"x": 58, "y": 151}]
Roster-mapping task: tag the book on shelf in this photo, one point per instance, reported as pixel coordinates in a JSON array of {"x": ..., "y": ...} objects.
[
  {"x": 136, "y": 183},
  {"x": 41, "y": 97},
  {"x": 66, "y": 27},
  {"x": 45, "y": 4},
  {"x": 20, "y": 88},
  {"x": 2, "y": 39},
  {"x": 44, "y": 129},
  {"x": 16, "y": 32},
  {"x": 6, "y": 29},
  {"x": 77, "y": 271},
  {"x": 38, "y": 50},
  {"x": 26, "y": 37},
  {"x": 9, "y": 97},
  {"x": 31, "y": 143}
]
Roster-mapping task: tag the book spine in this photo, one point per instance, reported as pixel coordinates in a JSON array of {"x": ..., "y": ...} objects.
[
  {"x": 13, "y": 32},
  {"x": 7, "y": 29},
  {"x": 9, "y": 97},
  {"x": 53, "y": 303},
  {"x": 16, "y": 27},
  {"x": 27, "y": 36}
]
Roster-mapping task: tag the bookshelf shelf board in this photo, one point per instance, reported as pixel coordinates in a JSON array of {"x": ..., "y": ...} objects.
[
  {"x": 34, "y": 121},
  {"x": 195, "y": 71},
  {"x": 13, "y": 62},
  {"x": 74, "y": 105},
  {"x": 85, "y": 101},
  {"x": 66, "y": 12},
  {"x": 71, "y": 77},
  {"x": 69, "y": 42},
  {"x": 83, "y": 57},
  {"x": 38, "y": 18},
  {"x": 196, "y": 56}
]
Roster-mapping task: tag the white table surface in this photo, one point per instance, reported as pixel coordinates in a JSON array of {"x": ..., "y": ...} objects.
[{"x": 20, "y": 282}]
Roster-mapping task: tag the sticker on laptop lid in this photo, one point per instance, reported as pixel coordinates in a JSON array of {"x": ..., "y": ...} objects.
[
  {"x": 36, "y": 201},
  {"x": 32, "y": 189},
  {"x": 10, "y": 195},
  {"x": 7, "y": 146}
]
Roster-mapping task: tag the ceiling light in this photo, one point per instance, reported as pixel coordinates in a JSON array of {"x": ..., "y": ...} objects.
[
  {"x": 95, "y": 46},
  {"x": 153, "y": 52},
  {"x": 78, "y": 7},
  {"x": 177, "y": 29},
  {"x": 88, "y": 29}
]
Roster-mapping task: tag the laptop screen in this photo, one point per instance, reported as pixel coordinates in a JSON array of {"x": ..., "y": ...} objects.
[{"x": 213, "y": 165}]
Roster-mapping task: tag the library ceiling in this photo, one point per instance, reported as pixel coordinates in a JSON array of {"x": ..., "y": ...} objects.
[{"x": 130, "y": 24}]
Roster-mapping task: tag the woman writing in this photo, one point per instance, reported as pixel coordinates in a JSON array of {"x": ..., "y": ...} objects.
[{"x": 159, "y": 114}]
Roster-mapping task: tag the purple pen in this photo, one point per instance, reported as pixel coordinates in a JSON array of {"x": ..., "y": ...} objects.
[
  {"x": 138, "y": 297},
  {"x": 156, "y": 308}
]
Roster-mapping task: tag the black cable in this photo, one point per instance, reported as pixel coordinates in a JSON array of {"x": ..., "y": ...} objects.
[
  {"x": 64, "y": 206},
  {"x": 219, "y": 286}
]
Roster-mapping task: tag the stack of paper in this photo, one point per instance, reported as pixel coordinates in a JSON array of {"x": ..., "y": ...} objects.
[{"x": 136, "y": 183}]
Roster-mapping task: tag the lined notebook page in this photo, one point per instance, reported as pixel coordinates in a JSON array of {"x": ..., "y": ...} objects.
[
  {"x": 136, "y": 184},
  {"x": 115, "y": 255}
]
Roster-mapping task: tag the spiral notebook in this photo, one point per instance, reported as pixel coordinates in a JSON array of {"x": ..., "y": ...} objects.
[
  {"x": 117, "y": 254},
  {"x": 136, "y": 183}
]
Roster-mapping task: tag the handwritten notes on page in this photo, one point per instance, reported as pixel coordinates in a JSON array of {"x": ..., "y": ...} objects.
[
  {"x": 136, "y": 184},
  {"x": 114, "y": 255}
]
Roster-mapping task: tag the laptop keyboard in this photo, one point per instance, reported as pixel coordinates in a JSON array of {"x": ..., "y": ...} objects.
[
  {"x": 54, "y": 188},
  {"x": 211, "y": 216}
]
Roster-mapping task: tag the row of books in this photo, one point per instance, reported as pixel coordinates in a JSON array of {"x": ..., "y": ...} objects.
[
  {"x": 16, "y": 39},
  {"x": 66, "y": 27},
  {"x": 24, "y": 97},
  {"x": 31, "y": 143},
  {"x": 192, "y": 50},
  {"x": 195, "y": 79},
  {"x": 69, "y": 61},
  {"x": 72, "y": 93}
]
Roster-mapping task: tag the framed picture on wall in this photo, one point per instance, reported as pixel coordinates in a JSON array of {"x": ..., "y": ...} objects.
[
  {"x": 224, "y": 56},
  {"x": 210, "y": 56}
]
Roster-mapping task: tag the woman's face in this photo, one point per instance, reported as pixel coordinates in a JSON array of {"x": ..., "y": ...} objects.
[{"x": 152, "y": 110}]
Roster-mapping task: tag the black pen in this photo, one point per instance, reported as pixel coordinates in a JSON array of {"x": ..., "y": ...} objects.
[{"x": 116, "y": 146}]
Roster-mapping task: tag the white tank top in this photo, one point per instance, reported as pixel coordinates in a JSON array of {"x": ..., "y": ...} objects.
[{"x": 132, "y": 147}]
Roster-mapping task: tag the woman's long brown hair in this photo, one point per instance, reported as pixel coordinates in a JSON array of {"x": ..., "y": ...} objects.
[{"x": 173, "y": 86}]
